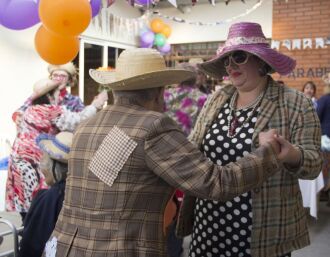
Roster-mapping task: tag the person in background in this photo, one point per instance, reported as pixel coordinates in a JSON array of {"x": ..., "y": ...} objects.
[
  {"x": 44, "y": 115},
  {"x": 41, "y": 218},
  {"x": 323, "y": 111},
  {"x": 67, "y": 76},
  {"x": 268, "y": 220},
  {"x": 126, "y": 162},
  {"x": 184, "y": 102},
  {"x": 309, "y": 90}
]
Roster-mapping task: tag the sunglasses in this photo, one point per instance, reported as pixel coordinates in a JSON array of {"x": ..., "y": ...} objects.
[{"x": 238, "y": 58}]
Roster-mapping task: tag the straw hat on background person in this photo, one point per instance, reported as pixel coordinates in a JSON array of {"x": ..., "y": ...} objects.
[
  {"x": 70, "y": 70},
  {"x": 140, "y": 68},
  {"x": 58, "y": 146}
]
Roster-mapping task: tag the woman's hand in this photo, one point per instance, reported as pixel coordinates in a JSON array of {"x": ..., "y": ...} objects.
[{"x": 289, "y": 154}]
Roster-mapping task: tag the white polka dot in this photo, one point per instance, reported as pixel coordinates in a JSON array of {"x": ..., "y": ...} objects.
[
  {"x": 206, "y": 148},
  {"x": 236, "y": 212},
  {"x": 232, "y": 152},
  {"x": 220, "y": 115},
  {"x": 215, "y": 213},
  {"x": 222, "y": 221},
  {"x": 226, "y": 105},
  {"x": 219, "y": 162},
  {"x": 249, "y": 239},
  {"x": 209, "y": 230},
  {"x": 229, "y": 229},
  {"x": 226, "y": 111},
  {"x": 243, "y": 232},
  {"x": 208, "y": 242},
  {"x": 215, "y": 250},
  {"x": 225, "y": 157},
  {"x": 244, "y": 206},
  {"x": 228, "y": 241},
  {"x": 213, "y": 155},
  {"x": 250, "y": 227},
  {"x": 241, "y": 244},
  {"x": 242, "y": 135},
  {"x": 225, "y": 128},
  {"x": 203, "y": 234},
  {"x": 222, "y": 245},
  {"x": 204, "y": 210},
  {"x": 229, "y": 217},
  {"x": 237, "y": 199},
  {"x": 215, "y": 238},
  {"x": 222, "y": 121},
  {"x": 238, "y": 113},
  {"x": 235, "y": 249},
  {"x": 215, "y": 225},
  {"x": 236, "y": 224},
  {"x": 222, "y": 209},
  {"x": 228, "y": 253},
  {"x": 250, "y": 214},
  {"x": 218, "y": 150},
  {"x": 245, "y": 153},
  {"x": 222, "y": 234},
  {"x": 204, "y": 222},
  {"x": 215, "y": 131},
  {"x": 241, "y": 119},
  {"x": 244, "y": 220},
  {"x": 200, "y": 214},
  {"x": 200, "y": 226},
  {"x": 239, "y": 146},
  {"x": 240, "y": 254},
  {"x": 208, "y": 254},
  {"x": 208, "y": 136},
  {"x": 214, "y": 125},
  {"x": 229, "y": 204},
  {"x": 246, "y": 125},
  {"x": 212, "y": 142},
  {"x": 198, "y": 251},
  {"x": 203, "y": 246},
  {"x": 235, "y": 237},
  {"x": 220, "y": 138},
  {"x": 248, "y": 251},
  {"x": 245, "y": 194},
  {"x": 254, "y": 119},
  {"x": 234, "y": 140},
  {"x": 251, "y": 130},
  {"x": 210, "y": 218},
  {"x": 248, "y": 141},
  {"x": 199, "y": 238},
  {"x": 193, "y": 254}
]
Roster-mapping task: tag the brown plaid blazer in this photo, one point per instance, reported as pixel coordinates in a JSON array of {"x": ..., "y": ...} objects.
[
  {"x": 126, "y": 219},
  {"x": 279, "y": 222}
]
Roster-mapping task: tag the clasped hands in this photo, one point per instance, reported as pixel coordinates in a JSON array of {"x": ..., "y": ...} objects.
[{"x": 286, "y": 152}]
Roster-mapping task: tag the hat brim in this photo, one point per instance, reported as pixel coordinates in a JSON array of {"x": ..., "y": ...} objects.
[
  {"x": 144, "y": 81},
  {"x": 280, "y": 63},
  {"x": 45, "y": 142}
]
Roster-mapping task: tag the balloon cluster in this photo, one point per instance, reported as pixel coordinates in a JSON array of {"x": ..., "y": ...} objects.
[
  {"x": 56, "y": 41},
  {"x": 156, "y": 36}
]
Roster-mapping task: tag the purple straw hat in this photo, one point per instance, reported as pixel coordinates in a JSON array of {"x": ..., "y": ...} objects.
[{"x": 248, "y": 37}]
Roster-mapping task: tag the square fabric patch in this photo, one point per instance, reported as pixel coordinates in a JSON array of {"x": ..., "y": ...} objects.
[{"x": 111, "y": 156}]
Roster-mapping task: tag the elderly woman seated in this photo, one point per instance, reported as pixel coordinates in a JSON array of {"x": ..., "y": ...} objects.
[{"x": 46, "y": 205}]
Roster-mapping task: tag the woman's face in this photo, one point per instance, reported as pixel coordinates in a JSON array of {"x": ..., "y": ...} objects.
[
  {"x": 309, "y": 91},
  {"x": 243, "y": 70},
  {"x": 60, "y": 76}
]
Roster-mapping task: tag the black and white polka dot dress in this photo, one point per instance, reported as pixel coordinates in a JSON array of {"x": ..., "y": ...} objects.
[{"x": 224, "y": 228}]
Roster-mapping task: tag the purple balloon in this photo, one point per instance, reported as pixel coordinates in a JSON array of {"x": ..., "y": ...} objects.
[
  {"x": 144, "y": 45},
  {"x": 3, "y": 6},
  {"x": 165, "y": 48},
  {"x": 20, "y": 14},
  {"x": 96, "y": 7},
  {"x": 147, "y": 37},
  {"x": 143, "y": 2}
]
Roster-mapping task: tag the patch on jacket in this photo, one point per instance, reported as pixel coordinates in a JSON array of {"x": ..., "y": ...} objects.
[
  {"x": 50, "y": 248},
  {"x": 111, "y": 156}
]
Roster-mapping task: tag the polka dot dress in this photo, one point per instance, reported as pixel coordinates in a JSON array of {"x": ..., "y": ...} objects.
[{"x": 224, "y": 228}]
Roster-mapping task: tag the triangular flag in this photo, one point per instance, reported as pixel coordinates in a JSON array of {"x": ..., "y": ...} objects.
[{"x": 173, "y": 2}]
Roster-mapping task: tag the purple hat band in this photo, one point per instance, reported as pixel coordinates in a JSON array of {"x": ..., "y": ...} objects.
[{"x": 248, "y": 37}]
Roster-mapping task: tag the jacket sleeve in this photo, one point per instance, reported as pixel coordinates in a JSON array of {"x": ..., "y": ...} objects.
[
  {"x": 172, "y": 157},
  {"x": 306, "y": 135}
]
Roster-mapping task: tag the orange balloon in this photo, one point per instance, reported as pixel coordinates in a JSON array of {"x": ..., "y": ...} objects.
[
  {"x": 167, "y": 31},
  {"x": 55, "y": 49},
  {"x": 157, "y": 25},
  {"x": 69, "y": 18}
]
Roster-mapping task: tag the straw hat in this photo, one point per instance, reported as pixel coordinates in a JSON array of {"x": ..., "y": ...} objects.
[
  {"x": 43, "y": 86},
  {"x": 140, "y": 68},
  {"x": 58, "y": 147},
  {"x": 248, "y": 37},
  {"x": 68, "y": 67}
]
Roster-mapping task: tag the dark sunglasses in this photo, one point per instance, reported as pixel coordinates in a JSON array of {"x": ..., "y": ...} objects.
[{"x": 237, "y": 57}]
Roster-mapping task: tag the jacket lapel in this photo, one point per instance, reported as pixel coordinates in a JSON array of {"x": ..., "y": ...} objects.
[{"x": 267, "y": 109}]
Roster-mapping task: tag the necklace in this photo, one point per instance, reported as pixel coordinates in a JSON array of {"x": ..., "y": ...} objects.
[{"x": 233, "y": 122}]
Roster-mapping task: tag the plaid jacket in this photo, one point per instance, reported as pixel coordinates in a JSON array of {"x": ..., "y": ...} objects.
[
  {"x": 117, "y": 209},
  {"x": 279, "y": 223}
]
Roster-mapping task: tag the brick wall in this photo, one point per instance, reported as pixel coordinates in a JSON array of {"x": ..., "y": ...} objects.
[{"x": 299, "y": 19}]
